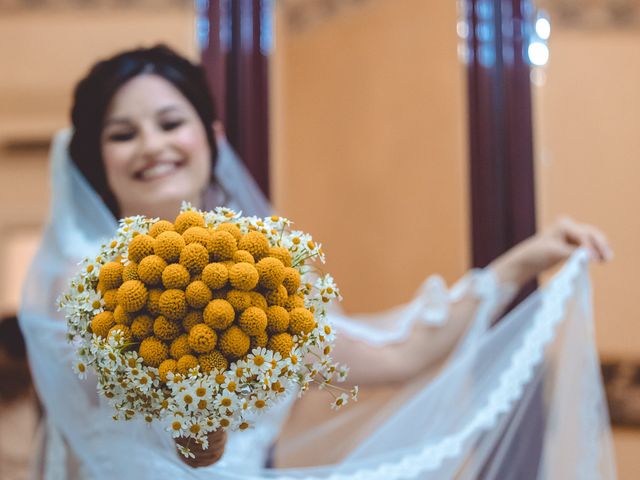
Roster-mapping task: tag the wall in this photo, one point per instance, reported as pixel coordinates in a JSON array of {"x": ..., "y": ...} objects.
[
  {"x": 43, "y": 54},
  {"x": 588, "y": 163},
  {"x": 368, "y": 145},
  {"x": 588, "y": 167}
]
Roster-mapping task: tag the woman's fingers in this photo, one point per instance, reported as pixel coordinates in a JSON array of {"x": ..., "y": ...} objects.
[
  {"x": 600, "y": 243},
  {"x": 573, "y": 233},
  {"x": 587, "y": 236}
]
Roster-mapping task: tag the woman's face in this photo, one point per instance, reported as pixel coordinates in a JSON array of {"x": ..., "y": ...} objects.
[{"x": 154, "y": 148}]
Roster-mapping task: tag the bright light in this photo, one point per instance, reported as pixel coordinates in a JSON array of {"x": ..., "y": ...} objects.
[
  {"x": 543, "y": 28},
  {"x": 538, "y": 53},
  {"x": 463, "y": 29}
]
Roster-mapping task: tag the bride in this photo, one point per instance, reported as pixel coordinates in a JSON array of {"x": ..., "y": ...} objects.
[{"x": 144, "y": 139}]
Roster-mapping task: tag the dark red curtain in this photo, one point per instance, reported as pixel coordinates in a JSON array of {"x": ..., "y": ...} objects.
[
  {"x": 502, "y": 175},
  {"x": 500, "y": 127},
  {"x": 237, "y": 40}
]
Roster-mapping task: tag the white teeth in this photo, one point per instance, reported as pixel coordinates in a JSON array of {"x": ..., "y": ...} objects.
[{"x": 158, "y": 170}]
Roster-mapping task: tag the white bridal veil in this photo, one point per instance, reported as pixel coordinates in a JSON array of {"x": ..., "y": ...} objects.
[{"x": 520, "y": 400}]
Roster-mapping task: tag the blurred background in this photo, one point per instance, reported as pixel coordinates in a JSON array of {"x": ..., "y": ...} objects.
[{"x": 443, "y": 132}]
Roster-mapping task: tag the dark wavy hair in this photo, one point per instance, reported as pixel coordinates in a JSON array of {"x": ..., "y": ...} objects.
[{"x": 94, "y": 93}]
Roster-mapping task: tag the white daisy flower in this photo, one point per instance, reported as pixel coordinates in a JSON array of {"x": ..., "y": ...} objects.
[
  {"x": 227, "y": 400},
  {"x": 144, "y": 382},
  {"x": 342, "y": 372},
  {"x": 81, "y": 369},
  {"x": 177, "y": 424},
  {"x": 354, "y": 393},
  {"x": 185, "y": 451},
  {"x": 95, "y": 302},
  {"x": 197, "y": 428},
  {"x": 340, "y": 401},
  {"x": 260, "y": 401},
  {"x": 230, "y": 384}
]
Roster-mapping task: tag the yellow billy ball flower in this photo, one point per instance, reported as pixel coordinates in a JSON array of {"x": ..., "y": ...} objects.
[
  {"x": 294, "y": 301},
  {"x": 125, "y": 332},
  {"x": 175, "y": 276},
  {"x": 234, "y": 343},
  {"x": 186, "y": 363},
  {"x": 218, "y": 314},
  {"x": 231, "y": 228},
  {"x": 159, "y": 227},
  {"x": 253, "y": 321},
  {"x": 258, "y": 300},
  {"x": 180, "y": 347},
  {"x": 197, "y": 235},
  {"x": 192, "y": 318},
  {"x": 291, "y": 280},
  {"x": 271, "y": 272},
  {"x": 110, "y": 298},
  {"x": 243, "y": 256},
  {"x": 243, "y": 276},
  {"x": 277, "y": 319},
  {"x": 122, "y": 317},
  {"x": 132, "y": 295},
  {"x": 259, "y": 341},
  {"x": 223, "y": 245},
  {"x": 102, "y": 323},
  {"x": 110, "y": 275},
  {"x": 202, "y": 339},
  {"x": 281, "y": 343},
  {"x": 169, "y": 245},
  {"x": 281, "y": 254},
  {"x": 301, "y": 320},
  {"x": 215, "y": 275},
  {"x": 276, "y": 297},
  {"x": 173, "y": 304},
  {"x": 255, "y": 243},
  {"x": 153, "y": 301},
  {"x": 188, "y": 219},
  {"x": 194, "y": 257},
  {"x": 153, "y": 351},
  {"x": 142, "y": 327},
  {"x": 239, "y": 300},
  {"x": 198, "y": 294},
  {"x": 213, "y": 361},
  {"x": 130, "y": 272},
  {"x": 165, "y": 329},
  {"x": 167, "y": 366},
  {"x": 141, "y": 246},
  {"x": 150, "y": 269}
]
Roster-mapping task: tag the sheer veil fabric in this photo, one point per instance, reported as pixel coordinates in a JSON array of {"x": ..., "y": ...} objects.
[{"x": 523, "y": 399}]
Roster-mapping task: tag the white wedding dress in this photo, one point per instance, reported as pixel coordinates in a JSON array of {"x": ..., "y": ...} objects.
[{"x": 520, "y": 400}]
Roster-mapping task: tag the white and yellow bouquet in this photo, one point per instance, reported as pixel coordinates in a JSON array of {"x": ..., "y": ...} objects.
[{"x": 204, "y": 322}]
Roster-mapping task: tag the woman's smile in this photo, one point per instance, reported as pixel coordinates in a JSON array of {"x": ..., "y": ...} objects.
[{"x": 158, "y": 170}]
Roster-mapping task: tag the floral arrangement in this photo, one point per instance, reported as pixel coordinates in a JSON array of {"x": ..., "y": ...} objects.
[{"x": 205, "y": 322}]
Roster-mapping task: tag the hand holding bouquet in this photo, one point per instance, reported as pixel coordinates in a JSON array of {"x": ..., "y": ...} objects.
[{"x": 203, "y": 322}]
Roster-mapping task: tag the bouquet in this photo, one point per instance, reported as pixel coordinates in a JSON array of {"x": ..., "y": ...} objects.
[{"x": 205, "y": 322}]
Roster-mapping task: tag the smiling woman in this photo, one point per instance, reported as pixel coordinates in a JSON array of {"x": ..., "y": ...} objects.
[
  {"x": 139, "y": 132},
  {"x": 154, "y": 148}
]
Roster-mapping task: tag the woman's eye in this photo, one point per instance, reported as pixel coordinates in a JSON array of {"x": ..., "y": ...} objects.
[
  {"x": 120, "y": 136},
  {"x": 170, "y": 125}
]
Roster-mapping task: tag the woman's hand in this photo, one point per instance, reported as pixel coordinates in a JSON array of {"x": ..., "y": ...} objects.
[
  {"x": 204, "y": 458},
  {"x": 546, "y": 249}
]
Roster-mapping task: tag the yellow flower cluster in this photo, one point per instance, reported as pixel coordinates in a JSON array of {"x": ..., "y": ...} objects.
[{"x": 192, "y": 295}]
